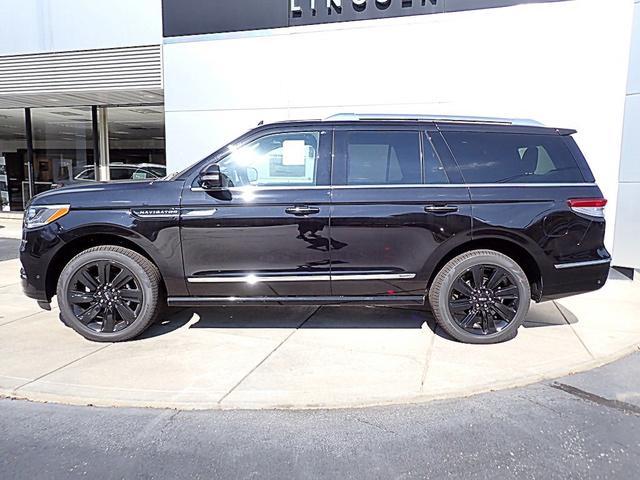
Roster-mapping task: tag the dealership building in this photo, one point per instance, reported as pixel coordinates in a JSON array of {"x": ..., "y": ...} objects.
[{"x": 121, "y": 89}]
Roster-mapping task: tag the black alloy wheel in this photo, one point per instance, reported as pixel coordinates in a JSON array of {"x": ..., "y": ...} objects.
[
  {"x": 484, "y": 299},
  {"x": 109, "y": 293},
  {"x": 105, "y": 296},
  {"x": 480, "y": 296}
]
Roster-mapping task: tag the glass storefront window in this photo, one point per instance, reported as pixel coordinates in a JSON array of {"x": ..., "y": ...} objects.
[
  {"x": 136, "y": 142},
  {"x": 13, "y": 157},
  {"x": 63, "y": 148},
  {"x": 63, "y": 145}
]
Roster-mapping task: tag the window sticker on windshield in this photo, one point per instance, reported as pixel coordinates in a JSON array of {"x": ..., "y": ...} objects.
[
  {"x": 293, "y": 152},
  {"x": 138, "y": 176}
]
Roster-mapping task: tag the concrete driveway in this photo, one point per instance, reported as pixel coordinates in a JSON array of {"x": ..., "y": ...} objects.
[
  {"x": 256, "y": 357},
  {"x": 300, "y": 357}
]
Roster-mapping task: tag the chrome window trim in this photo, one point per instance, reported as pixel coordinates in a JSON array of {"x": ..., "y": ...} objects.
[
  {"x": 267, "y": 187},
  {"x": 414, "y": 185},
  {"x": 467, "y": 185},
  {"x": 302, "y": 278},
  {"x": 562, "y": 266}
]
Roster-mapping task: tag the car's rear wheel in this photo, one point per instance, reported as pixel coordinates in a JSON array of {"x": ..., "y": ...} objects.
[
  {"x": 109, "y": 293},
  {"x": 481, "y": 296}
]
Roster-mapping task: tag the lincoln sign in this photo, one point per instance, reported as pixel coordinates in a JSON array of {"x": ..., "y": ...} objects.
[{"x": 194, "y": 17}]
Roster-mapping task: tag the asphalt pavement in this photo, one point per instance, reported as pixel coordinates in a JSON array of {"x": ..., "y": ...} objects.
[
  {"x": 8, "y": 248},
  {"x": 583, "y": 426}
]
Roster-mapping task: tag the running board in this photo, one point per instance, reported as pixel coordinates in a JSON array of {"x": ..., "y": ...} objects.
[{"x": 327, "y": 300}]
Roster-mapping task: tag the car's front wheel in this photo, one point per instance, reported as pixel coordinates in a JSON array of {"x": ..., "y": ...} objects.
[
  {"x": 109, "y": 293},
  {"x": 481, "y": 296}
]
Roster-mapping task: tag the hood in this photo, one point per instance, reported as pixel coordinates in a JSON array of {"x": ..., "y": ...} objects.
[{"x": 113, "y": 195}]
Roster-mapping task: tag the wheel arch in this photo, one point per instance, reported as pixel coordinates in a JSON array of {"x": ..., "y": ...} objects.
[
  {"x": 520, "y": 254},
  {"x": 85, "y": 241}
]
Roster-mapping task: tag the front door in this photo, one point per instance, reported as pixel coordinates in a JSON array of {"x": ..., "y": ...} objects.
[
  {"x": 393, "y": 206},
  {"x": 267, "y": 233}
]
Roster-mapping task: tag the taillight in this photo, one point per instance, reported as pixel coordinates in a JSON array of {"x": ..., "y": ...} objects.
[{"x": 593, "y": 207}]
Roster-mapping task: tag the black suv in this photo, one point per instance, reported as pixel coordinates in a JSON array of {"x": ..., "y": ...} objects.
[{"x": 479, "y": 216}]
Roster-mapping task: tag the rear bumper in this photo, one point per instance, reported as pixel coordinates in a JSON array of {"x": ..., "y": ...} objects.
[{"x": 574, "y": 278}]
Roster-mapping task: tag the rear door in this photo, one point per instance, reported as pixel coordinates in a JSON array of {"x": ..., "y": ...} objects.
[{"x": 393, "y": 206}]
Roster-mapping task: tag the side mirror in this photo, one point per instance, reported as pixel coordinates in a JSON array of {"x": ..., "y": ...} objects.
[{"x": 211, "y": 177}]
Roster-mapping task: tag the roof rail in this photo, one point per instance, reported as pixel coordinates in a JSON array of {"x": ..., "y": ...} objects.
[{"x": 433, "y": 118}]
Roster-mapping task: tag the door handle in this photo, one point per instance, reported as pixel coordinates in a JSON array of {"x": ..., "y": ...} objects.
[
  {"x": 302, "y": 210},
  {"x": 441, "y": 208}
]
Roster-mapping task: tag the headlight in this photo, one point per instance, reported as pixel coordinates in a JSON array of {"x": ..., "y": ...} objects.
[{"x": 39, "y": 216}]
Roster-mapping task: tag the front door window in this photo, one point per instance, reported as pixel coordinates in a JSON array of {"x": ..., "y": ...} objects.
[{"x": 284, "y": 159}]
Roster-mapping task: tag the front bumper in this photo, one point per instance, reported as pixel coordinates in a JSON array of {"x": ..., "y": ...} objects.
[
  {"x": 37, "y": 250},
  {"x": 33, "y": 288}
]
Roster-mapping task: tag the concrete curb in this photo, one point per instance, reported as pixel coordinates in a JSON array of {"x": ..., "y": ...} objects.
[{"x": 406, "y": 400}]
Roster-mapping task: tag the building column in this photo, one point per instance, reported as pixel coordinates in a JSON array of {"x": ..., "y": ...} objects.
[
  {"x": 30, "y": 170},
  {"x": 103, "y": 174}
]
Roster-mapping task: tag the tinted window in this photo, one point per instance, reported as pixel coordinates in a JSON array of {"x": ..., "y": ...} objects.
[
  {"x": 383, "y": 158},
  {"x": 121, "y": 173},
  {"x": 142, "y": 174},
  {"x": 85, "y": 174},
  {"x": 513, "y": 158},
  {"x": 280, "y": 159},
  {"x": 433, "y": 170},
  {"x": 157, "y": 171}
]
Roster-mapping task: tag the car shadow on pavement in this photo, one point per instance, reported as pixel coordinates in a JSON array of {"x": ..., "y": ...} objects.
[
  {"x": 329, "y": 317},
  {"x": 549, "y": 314},
  {"x": 251, "y": 317},
  {"x": 313, "y": 317}
]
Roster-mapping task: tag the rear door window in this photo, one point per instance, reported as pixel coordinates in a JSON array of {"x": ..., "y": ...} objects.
[
  {"x": 513, "y": 158},
  {"x": 380, "y": 158},
  {"x": 434, "y": 172}
]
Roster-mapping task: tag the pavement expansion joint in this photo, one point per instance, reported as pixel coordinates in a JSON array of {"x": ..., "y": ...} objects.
[
  {"x": 427, "y": 357},
  {"x": 268, "y": 355},
  {"x": 584, "y": 345},
  {"x": 61, "y": 367}
]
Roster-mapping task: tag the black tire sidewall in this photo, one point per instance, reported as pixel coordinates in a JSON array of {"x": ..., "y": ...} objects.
[
  {"x": 149, "y": 303},
  {"x": 458, "y": 266}
]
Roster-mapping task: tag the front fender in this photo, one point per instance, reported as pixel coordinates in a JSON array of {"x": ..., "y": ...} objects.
[{"x": 158, "y": 238}]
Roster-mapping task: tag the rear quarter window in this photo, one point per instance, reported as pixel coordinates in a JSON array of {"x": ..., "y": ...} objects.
[{"x": 513, "y": 158}]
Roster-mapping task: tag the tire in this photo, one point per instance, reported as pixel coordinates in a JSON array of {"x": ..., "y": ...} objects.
[
  {"x": 495, "y": 312},
  {"x": 117, "y": 299}
]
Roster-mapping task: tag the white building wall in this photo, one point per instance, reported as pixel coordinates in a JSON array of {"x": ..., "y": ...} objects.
[
  {"x": 564, "y": 64},
  {"x": 627, "y": 232},
  {"x": 57, "y": 25}
]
